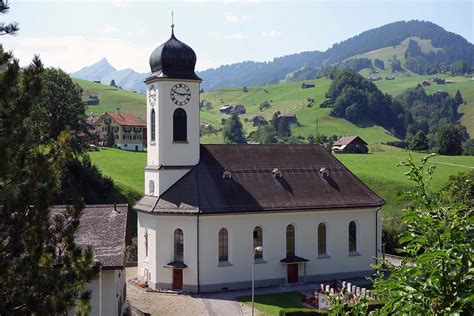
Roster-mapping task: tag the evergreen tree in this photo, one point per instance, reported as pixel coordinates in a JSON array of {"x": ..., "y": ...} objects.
[
  {"x": 233, "y": 130},
  {"x": 419, "y": 141},
  {"x": 42, "y": 270},
  {"x": 458, "y": 98},
  {"x": 9, "y": 28},
  {"x": 449, "y": 140},
  {"x": 112, "y": 83},
  {"x": 110, "y": 136}
]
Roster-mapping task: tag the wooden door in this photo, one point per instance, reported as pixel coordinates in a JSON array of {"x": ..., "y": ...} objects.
[
  {"x": 292, "y": 273},
  {"x": 177, "y": 279}
]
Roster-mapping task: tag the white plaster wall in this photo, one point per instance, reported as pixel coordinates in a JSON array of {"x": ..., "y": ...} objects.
[
  {"x": 152, "y": 147},
  {"x": 112, "y": 283},
  {"x": 161, "y": 247},
  {"x": 274, "y": 225},
  {"x": 163, "y": 179},
  {"x": 178, "y": 154}
]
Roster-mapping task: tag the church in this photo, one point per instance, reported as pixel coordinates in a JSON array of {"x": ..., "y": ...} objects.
[{"x": 210, "y": 212}]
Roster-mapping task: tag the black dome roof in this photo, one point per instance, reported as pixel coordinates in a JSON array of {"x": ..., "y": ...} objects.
[{"x": 174, "y": 59}]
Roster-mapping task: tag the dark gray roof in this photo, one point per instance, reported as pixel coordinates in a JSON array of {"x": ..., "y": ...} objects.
[
  {"x": 346, "y": 140},
  {"x": 103, "y": 227},
  {"x": 293, "y": 259},
  {"x": 253, "y": 187},
  {"x": 174, "y": 59}
]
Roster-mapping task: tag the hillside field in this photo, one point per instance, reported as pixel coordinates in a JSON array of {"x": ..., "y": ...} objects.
[
  {"x": 286, "y": 98},
  {"x": 378, "y": 170}
]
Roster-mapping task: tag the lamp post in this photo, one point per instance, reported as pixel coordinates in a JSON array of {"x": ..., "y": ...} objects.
[{"x": 258, "y": 248}]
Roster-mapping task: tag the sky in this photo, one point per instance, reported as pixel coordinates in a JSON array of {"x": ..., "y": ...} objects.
[{"x": 74, "y": 34}]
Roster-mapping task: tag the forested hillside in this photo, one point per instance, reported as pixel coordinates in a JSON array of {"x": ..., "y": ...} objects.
[{"x": 451, "y": 48}]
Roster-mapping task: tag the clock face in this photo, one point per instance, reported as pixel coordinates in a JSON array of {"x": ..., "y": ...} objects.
[
  {"x": 152, "y": 95},
  {"x": 180, "y": 94}
]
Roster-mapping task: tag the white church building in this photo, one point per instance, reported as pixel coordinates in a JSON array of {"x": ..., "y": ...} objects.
[{"x": 208, "y": 207}]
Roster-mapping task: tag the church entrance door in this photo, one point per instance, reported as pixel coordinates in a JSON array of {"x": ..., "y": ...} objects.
[
  {"x": 177, "y": 279},
  {"x": 292, "y": 273}
]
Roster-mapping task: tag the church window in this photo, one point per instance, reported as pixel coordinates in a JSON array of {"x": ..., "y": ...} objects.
[
  {"x": 151, "y": 187},
  {"x": 223, "y": 245},
  {"x": 178, "y": 245},
  {"x": 153, "y": 126},
  {"x": 352, "y": 237},
  {"x": 290, "y": 240},
  {"x": 180, "y": 129},
  {"x": 258, "y": 241},
  {"x": 321, "y": 239}
]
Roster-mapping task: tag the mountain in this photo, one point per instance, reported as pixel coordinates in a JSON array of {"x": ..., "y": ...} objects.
[
  {"x": 420, "y": 46},
  {"x": 102, "y": 70},
  {"x": 449, "y": 47}
]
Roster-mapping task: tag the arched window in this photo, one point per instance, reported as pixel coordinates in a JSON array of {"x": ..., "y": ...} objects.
[
  {"x": 258, "y": 241},
  {"x": 321, "y": 239},
  {"x": 153, "y": 125},
  {"x": 223, "y": 245},
  {"x": 352, "y": 237},
  {"x": 151, "y": 187},
  {"x": 178, "y": 245},
  {"x": 146, "y": 243},
  {"x": 290, "y": 240},
  {"x": 180, "y": 129}
]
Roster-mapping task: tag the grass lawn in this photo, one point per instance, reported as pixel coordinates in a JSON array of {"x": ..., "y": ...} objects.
[{"x": 271, "y": 304}]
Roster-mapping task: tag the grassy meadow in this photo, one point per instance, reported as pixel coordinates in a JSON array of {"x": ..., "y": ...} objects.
[{"x": 378, "y": 170}]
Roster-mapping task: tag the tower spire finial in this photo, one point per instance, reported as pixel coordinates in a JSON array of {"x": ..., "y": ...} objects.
[{"x": 172, "y": 22}]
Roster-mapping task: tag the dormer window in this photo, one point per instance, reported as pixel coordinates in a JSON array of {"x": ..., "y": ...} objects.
[
  {"x": 324, "y": 172},
  {"x": 277, "y": 173},
  {"x": 227, "y": 175}
]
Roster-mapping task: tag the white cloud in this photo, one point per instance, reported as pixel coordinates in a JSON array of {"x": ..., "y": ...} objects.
[
  {"x": 109, "y": 29},
  {"x": 231, "y": 18},
  {"x": 71, "y": 53},
  {"x": 271, "y": 34},
  {"x": 236, "y": 35}
]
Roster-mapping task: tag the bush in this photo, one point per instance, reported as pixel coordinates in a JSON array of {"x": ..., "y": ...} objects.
[
  {"x": 391, "y": 232},
  {"x": 398, "y": 143}
]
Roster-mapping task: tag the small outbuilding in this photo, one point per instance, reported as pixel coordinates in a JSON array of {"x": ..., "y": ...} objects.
[
  {"x": 306, "y": 85},
  {"x": 226, "y": 109},
  {"x": 350, "y": 144}
]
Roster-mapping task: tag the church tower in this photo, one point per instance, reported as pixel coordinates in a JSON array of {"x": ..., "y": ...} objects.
[{"x": 172, "y": 115}]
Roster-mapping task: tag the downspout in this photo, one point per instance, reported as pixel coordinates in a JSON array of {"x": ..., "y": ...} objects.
[
  {"x": 197, "y": 224},
  {"x": 376, "y": 234}
]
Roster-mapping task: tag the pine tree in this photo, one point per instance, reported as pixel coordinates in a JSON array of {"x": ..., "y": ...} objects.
[
  {"x": 458, "y": 98},
  {"x": 233, "y": 130},
  {"x": 112, "y": 83},
  {"x": 42, "y": 270}
]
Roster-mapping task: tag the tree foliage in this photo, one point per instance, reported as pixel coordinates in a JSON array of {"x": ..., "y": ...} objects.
[
  {"x": 419, "y": 142},
  {"x": 7, "y": 28},
  {"x": 42, "y": 270},
  {"x": 436, "y": 275},
  {"x": 233, "y": 130},
  {"x": 450, "y": 140}
]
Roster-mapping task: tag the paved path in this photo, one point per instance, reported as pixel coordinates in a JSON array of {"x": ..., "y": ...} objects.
[
  {"x": 226, "y": 303},
  {"x": 453, "y": 164}
]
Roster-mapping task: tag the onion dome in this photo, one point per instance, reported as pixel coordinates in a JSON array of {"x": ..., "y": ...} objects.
[{"x": 174, "y": 59}]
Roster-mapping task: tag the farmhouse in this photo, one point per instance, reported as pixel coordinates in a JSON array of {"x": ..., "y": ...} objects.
[
  {"x": 259, "y": 121},
  {"x": 306, "y": 85},
  {"x": 129, "y": 130},
  {"x": 103, "y": 227},
  {"x": 227, "y": 109},
  {"x": 350, "y": 144},
  {"x": 208, "y": 209},
  {"x": 290, "y": 118}
]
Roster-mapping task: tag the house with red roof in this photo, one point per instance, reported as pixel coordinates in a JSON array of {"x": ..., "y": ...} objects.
[{"x": 129, "y": 131}]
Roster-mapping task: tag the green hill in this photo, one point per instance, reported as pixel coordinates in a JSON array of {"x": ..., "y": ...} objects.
[
  {"x": 286, "y": 98},
  {"x": 111, "y": 98}
]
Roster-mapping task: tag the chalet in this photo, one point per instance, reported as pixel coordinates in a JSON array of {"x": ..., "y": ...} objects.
[
  {"x": 447, "y": 81},
  {"x": 289, "y": 118},
  {"x": 374, "y": 78},
  {"x": 240, "y": 109},
  {"x": 227, "y": 109},
  {"x": 104, "y": 228},
  {"x": 350, "y": 144},
  {"x": 389, "y": 78},
  {"x": 129, "y": 130},
  {"x": 306, "y": 85},
  {"x": 209, "y": 212},
  {"x": 259, "y": 121}
]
